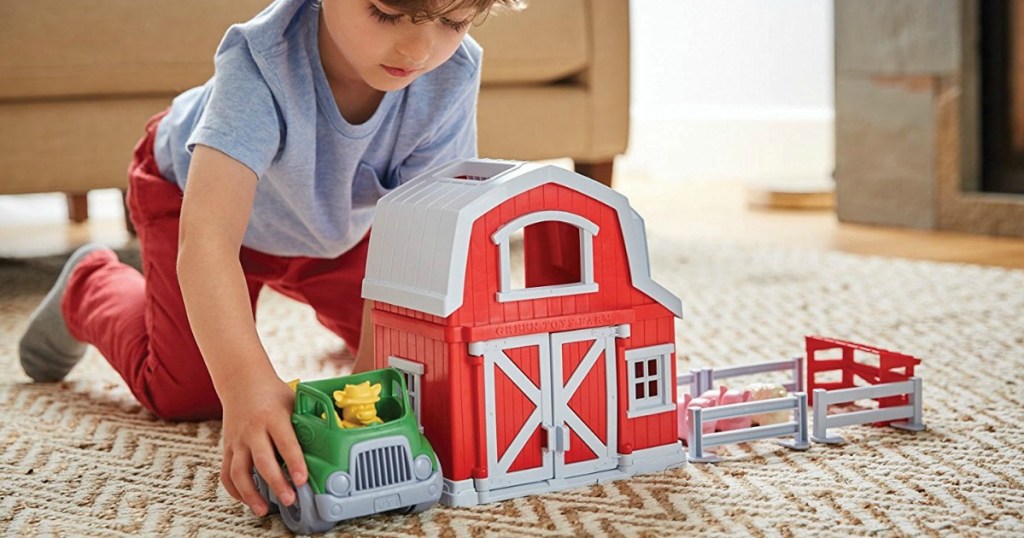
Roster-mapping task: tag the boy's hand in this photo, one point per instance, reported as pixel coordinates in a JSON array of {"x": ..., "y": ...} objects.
[{"x": 256, "y": 422}]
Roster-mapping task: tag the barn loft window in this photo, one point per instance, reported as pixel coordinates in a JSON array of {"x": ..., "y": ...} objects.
[
  {"x": 558, "y": 256},
  {"x": 413, "y": 374},
  {"x": 650, "y": 380}
]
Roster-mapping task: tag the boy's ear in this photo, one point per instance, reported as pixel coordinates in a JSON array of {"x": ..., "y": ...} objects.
[
  {"x": 376, "y": 389},
  {"x": 339, "y": 398}
]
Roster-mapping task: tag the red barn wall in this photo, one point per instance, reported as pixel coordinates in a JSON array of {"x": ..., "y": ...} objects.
[
  {"x": 448, "y": 399},
  {"x": 655, "y": 324},
  {"x": 651, "y": 430}
]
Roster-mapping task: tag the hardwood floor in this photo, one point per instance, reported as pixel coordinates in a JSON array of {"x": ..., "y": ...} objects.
[
  {"x": 719, "y": 212},
  {"x": 692, "y": 210},
  {"x": 37, "y": 224}
]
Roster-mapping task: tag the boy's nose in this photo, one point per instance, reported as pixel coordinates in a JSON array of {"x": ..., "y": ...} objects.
[{"x": 415, "y": 45}]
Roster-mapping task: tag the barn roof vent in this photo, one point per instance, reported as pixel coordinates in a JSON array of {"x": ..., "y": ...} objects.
[{"x": 476, "y": 171}]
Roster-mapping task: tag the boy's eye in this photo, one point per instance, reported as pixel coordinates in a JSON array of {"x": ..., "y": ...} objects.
[
  {"x": 384, "y": 18},
  {"x": 388, "y": 18},
  {"x": 457, "y": 26}
]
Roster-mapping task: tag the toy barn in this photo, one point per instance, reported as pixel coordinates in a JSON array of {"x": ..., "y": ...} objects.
[{"x": 539, "y": 353}]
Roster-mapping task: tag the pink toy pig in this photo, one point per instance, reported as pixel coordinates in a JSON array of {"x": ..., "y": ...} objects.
[
  {"x": 726, "y": 397},
  {"x": 683, "y": 416}
]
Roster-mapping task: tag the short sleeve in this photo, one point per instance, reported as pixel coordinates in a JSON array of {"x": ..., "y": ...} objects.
[
  {"x": 241, "y": 118},
  {"x": 455, "y": 137}
]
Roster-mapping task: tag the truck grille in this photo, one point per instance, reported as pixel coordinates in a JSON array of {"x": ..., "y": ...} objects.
[{"x": 382, "y": 466}]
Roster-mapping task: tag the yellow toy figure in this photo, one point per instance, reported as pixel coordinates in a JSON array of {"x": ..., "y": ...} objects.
[{"x": 357, "y": 405}]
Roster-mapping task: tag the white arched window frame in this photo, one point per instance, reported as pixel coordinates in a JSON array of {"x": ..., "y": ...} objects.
[{"x": 586, "y": 284}]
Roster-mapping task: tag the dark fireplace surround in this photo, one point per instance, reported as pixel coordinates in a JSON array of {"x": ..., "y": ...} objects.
[{"x": 925, "y": 108}]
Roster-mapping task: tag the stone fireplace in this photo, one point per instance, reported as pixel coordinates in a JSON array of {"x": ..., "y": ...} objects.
[{"x": 930, "y": 114}]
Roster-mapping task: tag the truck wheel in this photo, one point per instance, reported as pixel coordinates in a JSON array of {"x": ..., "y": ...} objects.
[
  {"x": 301, "y": 517},
  {"x": 421, "y": 507},
  {"x": 264, "y": 489}
]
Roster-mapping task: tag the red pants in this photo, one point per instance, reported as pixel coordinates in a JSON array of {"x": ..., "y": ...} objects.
[{"x": 138, "y": 322}]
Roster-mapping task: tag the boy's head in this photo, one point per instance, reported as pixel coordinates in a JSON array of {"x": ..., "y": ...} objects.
[
  {"x": 428, "y": 10},
  {"x": 389, "y": 43}
]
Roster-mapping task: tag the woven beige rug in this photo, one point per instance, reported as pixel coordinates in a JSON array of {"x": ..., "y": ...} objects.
[{"x": 82, "y": 458}]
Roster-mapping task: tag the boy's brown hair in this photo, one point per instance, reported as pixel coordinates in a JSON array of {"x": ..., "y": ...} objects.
[{"x": 428, "y": 10}]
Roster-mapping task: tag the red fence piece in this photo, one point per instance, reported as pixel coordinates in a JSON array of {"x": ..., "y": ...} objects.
[{"x": 892, "y": 367}]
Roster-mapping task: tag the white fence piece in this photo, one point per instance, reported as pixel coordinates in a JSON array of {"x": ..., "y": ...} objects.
[
  {"x": 798, "y": 428},
  {"x": 703, "y": 379},
  {"x": 694, "y": 380},
  {"x": 824, "y": 398}
]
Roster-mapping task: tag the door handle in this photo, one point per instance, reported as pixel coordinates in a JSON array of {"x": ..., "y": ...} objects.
[
  {"x": 557, "y": 438},
  {"x": 562, "y": 439}
]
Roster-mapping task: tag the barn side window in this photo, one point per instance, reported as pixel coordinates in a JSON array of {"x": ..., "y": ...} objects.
[
  {"x": 558, "y": 256},
  {"x": 413, "y": 374},
  {"x": 650, "y": 380}
]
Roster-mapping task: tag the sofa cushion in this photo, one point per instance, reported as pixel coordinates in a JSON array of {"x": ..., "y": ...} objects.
[
  {"x": 555, "y": 49},
  {"x": 73, "y": 146},
  {"x": 56, "y": 48}
]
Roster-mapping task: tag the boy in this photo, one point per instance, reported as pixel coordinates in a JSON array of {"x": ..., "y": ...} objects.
[{"x": 266, "y": 175}]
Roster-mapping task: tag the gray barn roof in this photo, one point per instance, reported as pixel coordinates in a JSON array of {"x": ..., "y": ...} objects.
[{"x": 421, "y": 232}]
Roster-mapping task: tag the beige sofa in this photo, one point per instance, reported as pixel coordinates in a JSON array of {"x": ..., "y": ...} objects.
[{"x": 78, "y": 80}]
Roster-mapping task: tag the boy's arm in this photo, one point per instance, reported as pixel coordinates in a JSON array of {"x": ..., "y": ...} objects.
[{"x": 257, "y": 405}]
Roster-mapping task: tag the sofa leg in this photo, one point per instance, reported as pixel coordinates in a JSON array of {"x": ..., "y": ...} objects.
[
  {"x": 600, "y": 172},
  {"x": 78, "y": 207},
  {"x": 127, "y": 214}
]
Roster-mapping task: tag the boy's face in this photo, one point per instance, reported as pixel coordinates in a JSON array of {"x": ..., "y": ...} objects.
[{"x": 382, "y": 47}]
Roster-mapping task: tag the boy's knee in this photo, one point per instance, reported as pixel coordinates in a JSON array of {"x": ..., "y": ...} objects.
[
  {"x": 177, "y": 405},
  {"x": 185, "y": 411}
]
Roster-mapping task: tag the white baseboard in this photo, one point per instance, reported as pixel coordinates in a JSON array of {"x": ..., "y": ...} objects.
[{"x": 742, "y": 144}]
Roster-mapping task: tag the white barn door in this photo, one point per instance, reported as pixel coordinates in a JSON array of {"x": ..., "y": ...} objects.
[
  {"x": 584, "y": 398},
  {"x": 517, "y": 402},
  {"x": 550, "y": 404}
]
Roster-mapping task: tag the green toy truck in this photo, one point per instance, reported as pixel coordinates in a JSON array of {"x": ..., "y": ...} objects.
[{"x": 363, "y": 470}]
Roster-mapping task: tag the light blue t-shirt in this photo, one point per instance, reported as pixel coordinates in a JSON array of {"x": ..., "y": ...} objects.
[{"x": 269, "y": 106}]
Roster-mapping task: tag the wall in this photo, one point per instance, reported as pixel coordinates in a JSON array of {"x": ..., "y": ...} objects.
[{"x": 731, "y": 89}]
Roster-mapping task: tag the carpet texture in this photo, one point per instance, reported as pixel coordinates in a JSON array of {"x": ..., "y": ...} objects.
[{"x": 82, "y": 458}]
